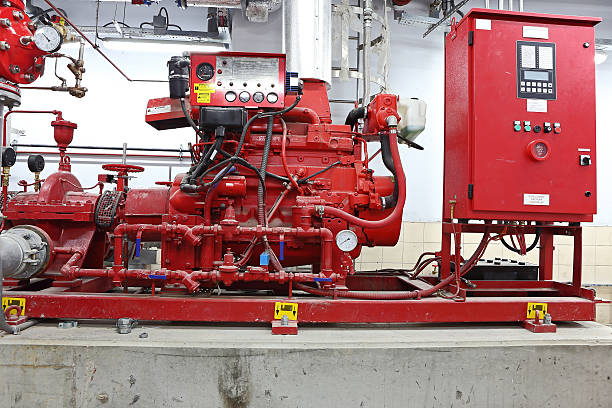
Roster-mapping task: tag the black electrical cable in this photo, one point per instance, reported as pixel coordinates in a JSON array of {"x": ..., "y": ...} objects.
[
  {"x": 305, "y": 179},
  {"x": 536, "y": 239},
  {"x": 118, "y": 22}
]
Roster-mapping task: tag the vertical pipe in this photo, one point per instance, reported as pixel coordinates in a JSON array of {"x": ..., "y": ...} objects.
[
  {"x": 307, "y": 38},
  {"x": 367, "y": 39},
  {"x": 487, "y": 3},
  {"x": 521, "y": 8},
  {"x": 500, "y": 4},
  {"x": 510, "y": 4}
]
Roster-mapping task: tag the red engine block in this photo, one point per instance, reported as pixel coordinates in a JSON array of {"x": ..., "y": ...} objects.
[{"x": 213, "y": 236}]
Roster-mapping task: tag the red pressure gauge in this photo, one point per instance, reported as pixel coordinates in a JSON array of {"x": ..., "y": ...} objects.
[{"x": 538, "y": 149}]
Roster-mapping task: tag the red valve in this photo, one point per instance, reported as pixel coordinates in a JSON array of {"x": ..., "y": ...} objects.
[
  {"x": 122, "y": 171},
  {"x": 123, "y": 168}
]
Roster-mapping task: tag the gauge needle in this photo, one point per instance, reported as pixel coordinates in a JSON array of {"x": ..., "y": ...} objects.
[
  {"x": 48, "y": 39},
  {"x": 346, "y": 240}
]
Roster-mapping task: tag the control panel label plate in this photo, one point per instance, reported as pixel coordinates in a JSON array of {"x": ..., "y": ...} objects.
[
  {"x": 535, "y": 32},
  {"x": 536, "y": 199},
  {"x": 483, "y": 24},
  {"x": 537, "y": 105}
]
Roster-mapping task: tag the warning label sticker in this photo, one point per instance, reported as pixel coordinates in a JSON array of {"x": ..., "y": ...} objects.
[
  {"x": 8, "y": 301},
  {"x": 285, "y": 309},
  {"x": 204, "y": 88},
  {"x": 532, "y": 307},
  {"x": 203, "y": 98}
]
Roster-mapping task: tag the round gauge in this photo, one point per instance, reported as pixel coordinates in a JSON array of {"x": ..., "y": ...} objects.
[
  {"x": 48, "y": 39},
  {"x": 230, "y": 96},
  {"x": 205, "y": 71},
  {"x": 346, "y": 240},
  {"x": 244, "y": 96},
  {"x": 258, "y": 97},
  {"x": 272, "y": 97}
]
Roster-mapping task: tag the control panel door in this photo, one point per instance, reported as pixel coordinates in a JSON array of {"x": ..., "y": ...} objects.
[{"x": 533, "y": 133}]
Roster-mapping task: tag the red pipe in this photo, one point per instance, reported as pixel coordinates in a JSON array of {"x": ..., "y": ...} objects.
[
  {"x": 153, "y": 156},
  {"x": 284, "y": 158},
  {"x": 385, "y": 222},
  {"x": 303, "y": 115},
  {"x": 365, "y": 150}
]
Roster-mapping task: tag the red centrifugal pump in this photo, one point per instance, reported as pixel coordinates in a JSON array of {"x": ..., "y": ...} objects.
[{"x": 273, "y": 184}]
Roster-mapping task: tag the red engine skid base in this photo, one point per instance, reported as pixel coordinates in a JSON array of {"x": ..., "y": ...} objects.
[{"x": 90, "y": 300}]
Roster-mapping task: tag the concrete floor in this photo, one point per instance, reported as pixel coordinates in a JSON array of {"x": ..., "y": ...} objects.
[{"x": 348, "y": 366}]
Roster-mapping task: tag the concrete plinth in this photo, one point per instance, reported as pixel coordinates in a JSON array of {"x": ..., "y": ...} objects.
[{"x": 348, "y": 366}]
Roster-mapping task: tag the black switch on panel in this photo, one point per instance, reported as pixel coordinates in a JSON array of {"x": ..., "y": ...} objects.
[
  {"x": 547, "y": 129},
  {"x": 585, "y": 160},
  {"x": 537, "y": 128}
]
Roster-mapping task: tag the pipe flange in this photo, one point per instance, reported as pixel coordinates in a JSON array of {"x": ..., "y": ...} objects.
[{"x": 25, "y": 251}]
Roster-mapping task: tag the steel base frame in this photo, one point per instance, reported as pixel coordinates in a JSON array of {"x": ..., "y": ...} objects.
[
  {"x": 483, "y": 301},
  {"x": 488, "y": 302}
]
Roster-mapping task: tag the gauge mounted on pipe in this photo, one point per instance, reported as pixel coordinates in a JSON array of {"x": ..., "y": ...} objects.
[
  {"x": 48, "y": 39},
  {"x": 9, "y": 157},
  {"x": 346, "y": 240}
]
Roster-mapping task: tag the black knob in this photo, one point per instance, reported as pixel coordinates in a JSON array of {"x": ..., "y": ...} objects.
[
  {"x": 537, "y": 129},
  {"x": 36, "y": 163},
  {"x": 587, "y": 194},
  {"x": 547, "y": 129},
  {"x": 586, "y": 161},
  {"x": 9, "y": 157}
]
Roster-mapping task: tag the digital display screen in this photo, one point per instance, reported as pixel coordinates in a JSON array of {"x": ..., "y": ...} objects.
[{"x": 535, "y": 75}]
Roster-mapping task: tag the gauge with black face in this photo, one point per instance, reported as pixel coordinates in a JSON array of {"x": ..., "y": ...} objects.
[{"x": 205, "y": 71}]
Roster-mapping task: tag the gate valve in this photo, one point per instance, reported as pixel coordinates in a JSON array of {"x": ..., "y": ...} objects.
[{"x": 122, "y": 171}]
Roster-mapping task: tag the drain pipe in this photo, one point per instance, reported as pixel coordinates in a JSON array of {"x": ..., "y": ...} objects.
[{"x": 521, "y": 8}]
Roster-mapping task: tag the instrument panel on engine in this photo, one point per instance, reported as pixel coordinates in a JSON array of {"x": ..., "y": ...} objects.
[{"x": 238, "y": 80}]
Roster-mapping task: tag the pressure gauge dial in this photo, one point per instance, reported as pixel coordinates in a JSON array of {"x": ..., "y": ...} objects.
[
  {"x": 346, "y": 240},
  {"x": 205, "y": 71},
  {"x": 48, "y": 39}
]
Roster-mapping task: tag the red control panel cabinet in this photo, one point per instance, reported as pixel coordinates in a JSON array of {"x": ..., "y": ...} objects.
[
  {"x": 234, "y": 79},
  {"x": 520, "y": 117}
]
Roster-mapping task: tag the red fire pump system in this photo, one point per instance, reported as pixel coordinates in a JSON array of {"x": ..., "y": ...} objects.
[{"x": 275, "y": 184}]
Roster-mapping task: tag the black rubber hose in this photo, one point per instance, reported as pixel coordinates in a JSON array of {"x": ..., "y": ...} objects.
[
  {"x": 354, "y": 115},
  {"x": 529, "y": 248},
  {"x": 261, "y": 199},
  {"x": 261, "y": 194},
  {"x": 385, "y": 146}
]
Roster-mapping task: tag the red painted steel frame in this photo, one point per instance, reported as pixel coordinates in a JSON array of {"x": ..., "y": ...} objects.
[{"x": 74, "y": 305}]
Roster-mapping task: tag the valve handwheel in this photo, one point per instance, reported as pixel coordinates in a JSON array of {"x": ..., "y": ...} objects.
[
  {"x": 122, "y": 171},
  {"x": 123, "y": 168}
]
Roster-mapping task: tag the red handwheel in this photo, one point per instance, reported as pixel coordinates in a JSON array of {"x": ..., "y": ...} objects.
[{"x": 122, "y": 171}]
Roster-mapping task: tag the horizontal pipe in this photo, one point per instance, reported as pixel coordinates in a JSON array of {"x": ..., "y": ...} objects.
[{"x": 136, "y": 149}]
